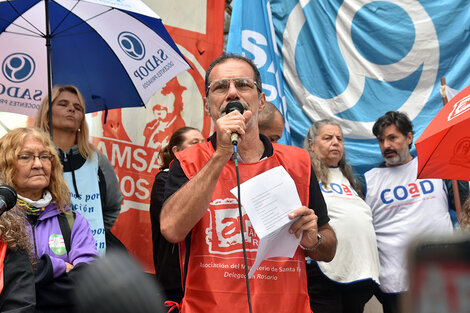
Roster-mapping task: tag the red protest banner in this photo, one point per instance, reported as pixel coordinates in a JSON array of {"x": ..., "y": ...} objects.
[{"x": 132, "y": 138}]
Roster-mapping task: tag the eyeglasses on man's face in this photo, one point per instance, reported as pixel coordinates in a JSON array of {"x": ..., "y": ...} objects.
[
  {"x": 221, "y": 87},
  {"x": 29, "y": 158}
]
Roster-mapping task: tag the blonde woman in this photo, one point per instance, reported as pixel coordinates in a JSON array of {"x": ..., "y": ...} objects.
[
  {"x": 82, "y": 161},
  {"x": 30, "y": 164}
]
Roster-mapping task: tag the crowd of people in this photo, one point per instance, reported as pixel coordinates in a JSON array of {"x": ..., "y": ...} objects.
[{"x": 57, "y": 255}]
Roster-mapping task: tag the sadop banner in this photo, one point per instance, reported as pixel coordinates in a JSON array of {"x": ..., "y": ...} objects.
[{"x": 355, "y": 60}]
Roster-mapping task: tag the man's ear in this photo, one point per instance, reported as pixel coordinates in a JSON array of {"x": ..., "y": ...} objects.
[
  {"x": 262, "y": 101},
  {"x": 207, "y": 109},
  {"x": 409, "y": 138},
  {"x": 174, "y": 149}
]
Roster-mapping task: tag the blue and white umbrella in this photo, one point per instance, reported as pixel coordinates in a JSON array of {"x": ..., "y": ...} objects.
[{"x": 117, "y": 52}]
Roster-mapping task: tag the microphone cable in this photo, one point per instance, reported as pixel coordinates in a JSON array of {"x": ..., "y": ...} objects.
[{"x": 235, "y": 154}]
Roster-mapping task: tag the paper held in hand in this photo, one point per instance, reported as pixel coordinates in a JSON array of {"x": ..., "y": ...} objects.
[{"x": 268, "y": 198}]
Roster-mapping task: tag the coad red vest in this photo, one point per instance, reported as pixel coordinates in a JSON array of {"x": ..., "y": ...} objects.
[{"x": 215, "y": 280}]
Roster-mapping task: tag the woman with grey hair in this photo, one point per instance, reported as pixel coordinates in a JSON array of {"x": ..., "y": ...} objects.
[{"x": 347, "y": 282}]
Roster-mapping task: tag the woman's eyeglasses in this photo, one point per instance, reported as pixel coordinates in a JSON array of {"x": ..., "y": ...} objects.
[{"x": 29, "y": 158}]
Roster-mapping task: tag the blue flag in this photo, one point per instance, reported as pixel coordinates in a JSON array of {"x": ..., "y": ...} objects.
[
  {"x": 355, "y": 60},
  {"x": 252, "y": 35}
]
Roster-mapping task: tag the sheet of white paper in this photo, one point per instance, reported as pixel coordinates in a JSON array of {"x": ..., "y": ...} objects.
[{"x": 268, "y": 198}]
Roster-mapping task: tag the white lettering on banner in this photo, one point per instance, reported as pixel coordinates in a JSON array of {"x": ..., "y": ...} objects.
[
  {"x": 141, "y": 185},
  {"x": 121, "y": 157},
  {"x": 255, "y": 43},
  {"x": 135, "y": 166},
  {"x": 130, "y": 158},
  {"x": 260, "y": 56},
  {"x": 424, "y": 53},
  {"x": 138, "y": 156}
]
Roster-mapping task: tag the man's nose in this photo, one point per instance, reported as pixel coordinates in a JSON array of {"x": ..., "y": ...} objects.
[
  {"x": 232, "y": 92},
  {"x": 387, "y": 143}
]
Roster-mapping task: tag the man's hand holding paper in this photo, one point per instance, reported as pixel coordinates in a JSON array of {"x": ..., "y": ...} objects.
[{"x": 277, "y": 215}]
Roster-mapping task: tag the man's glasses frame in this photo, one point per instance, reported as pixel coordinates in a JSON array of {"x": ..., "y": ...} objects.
[{"x": 242, "y": 84}]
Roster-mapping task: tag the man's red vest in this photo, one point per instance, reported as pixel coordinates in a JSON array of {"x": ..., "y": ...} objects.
[{"x": 215, "y": 280}]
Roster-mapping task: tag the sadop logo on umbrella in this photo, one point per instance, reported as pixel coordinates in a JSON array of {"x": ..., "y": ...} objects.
[
  {"x": 132, "y": 45},
  {"x": 18, "y": 67},
  {"x": 117, "y": 53}
]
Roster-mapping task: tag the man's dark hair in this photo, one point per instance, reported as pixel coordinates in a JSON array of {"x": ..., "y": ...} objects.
[
  {"x": 228, "y": 56},
  {"x": 399, "y": 119}
]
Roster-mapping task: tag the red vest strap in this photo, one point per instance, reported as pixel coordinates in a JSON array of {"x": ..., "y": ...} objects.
[{"x": 3, "y": 251}]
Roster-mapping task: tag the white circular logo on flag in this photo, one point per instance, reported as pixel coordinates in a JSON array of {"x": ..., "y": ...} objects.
[{"x": 352, "y": 74}]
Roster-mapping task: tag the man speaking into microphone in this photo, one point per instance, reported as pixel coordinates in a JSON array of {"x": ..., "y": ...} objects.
[{"x": 202, "y": 215}]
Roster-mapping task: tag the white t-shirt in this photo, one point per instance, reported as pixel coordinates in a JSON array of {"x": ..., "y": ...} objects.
[
  {"x": 351, "y": 218},
  {"x": 403, "y": 207}
]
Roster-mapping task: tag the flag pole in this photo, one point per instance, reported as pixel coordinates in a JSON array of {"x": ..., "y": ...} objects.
[
  {"x": 455, "y": 184},
  {"x": 49, "y": 64}
]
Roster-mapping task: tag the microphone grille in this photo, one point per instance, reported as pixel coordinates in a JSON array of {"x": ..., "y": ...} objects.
[
  {"x": 234, "y": 106},
  {"x": 9, "y": 195}
]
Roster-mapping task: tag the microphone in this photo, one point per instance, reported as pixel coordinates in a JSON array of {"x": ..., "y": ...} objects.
[
  {"x": 234, "y": 106},
  {"x": 7, "y": 198}
]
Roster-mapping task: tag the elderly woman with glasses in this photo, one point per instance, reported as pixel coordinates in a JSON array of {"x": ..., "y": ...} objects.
[
  {"x": 63, "y": 240},
  {"x": 347, "y": 282}
]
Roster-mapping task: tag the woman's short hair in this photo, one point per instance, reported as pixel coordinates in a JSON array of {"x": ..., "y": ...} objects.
[
  {"x": 11, "y": 145},
  {"x": 42, "y": 119}
]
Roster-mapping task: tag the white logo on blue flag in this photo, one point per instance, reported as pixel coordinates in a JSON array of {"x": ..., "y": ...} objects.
[{"x": 355, "y": 60}]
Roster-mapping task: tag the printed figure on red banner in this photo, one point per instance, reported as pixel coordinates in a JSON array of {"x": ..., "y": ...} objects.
[
  {"x": 132, "y": 138},
  {"x": 167, "y": 116}
]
